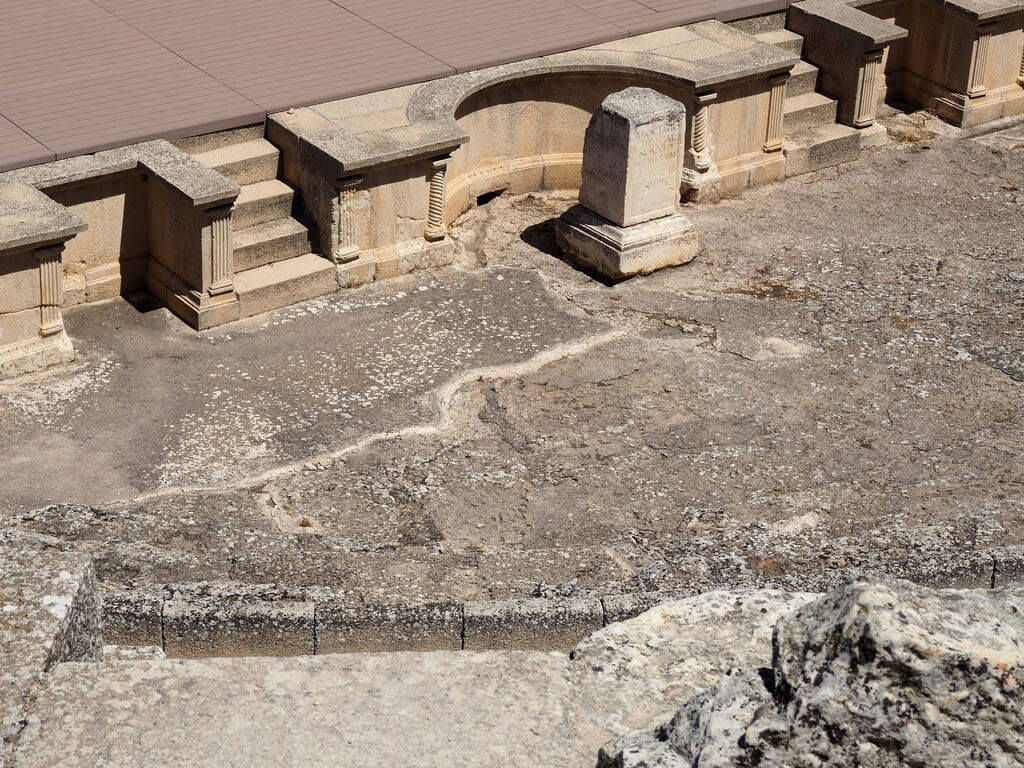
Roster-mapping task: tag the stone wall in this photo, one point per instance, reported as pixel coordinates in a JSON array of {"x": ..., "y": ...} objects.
[
  {"x": 109, "y": 258},
  {"x": 964, "y": 60}
]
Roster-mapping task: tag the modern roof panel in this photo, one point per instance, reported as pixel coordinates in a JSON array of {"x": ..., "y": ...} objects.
[{"x": 84, "y": 75}]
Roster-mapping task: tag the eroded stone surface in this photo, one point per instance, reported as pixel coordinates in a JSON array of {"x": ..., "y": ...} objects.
[
  {"x": 873, "y": 674},
  {"x": 464, "y": 708},
  {"x": 417, "y": 710},
  {"x": 49, "y": 612}
]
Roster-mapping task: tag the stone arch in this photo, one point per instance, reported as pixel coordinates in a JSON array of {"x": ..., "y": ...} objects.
[{"x": 524, "y": 128}]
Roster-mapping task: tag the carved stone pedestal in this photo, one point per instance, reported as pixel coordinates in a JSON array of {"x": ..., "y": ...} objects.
[
  {"x": 628, "y": 221},
  {"x": 619, "y": 252}
]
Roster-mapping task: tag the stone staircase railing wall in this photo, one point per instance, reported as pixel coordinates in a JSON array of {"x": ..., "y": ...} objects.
[{"x": 963, "y": 59}]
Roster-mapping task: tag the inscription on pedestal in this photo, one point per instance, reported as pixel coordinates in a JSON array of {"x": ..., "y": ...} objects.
[{"x": 631, "y": 157}]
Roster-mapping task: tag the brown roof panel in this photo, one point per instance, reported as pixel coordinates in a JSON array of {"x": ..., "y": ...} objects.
[
  {"x": 17, "y": 148},
  {"x": 280, "y": 54},
  {"x": 470, "y": 34},
  {"x": 77, "y": 93},
  {"x": 630, "y": 15},
  {"x": 81, "y": 75}
]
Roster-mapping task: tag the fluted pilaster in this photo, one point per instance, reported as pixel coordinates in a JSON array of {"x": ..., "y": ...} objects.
[
  {"x": 979, "y": 63},
  {"x": 51, "y": 289},
  {"x": 222, "y": 256},
  {"x": 345, "y": 246},
  {"x": 867, "y": 89},
  {"x": 776, "y": 108}
]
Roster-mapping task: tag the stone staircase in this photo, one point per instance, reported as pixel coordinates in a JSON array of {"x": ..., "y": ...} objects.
[
  {"x": 273, "y": 262},
  {"x": 813, "y": 138}
]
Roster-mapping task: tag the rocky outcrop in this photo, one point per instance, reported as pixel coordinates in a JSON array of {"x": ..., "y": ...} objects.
[{"x": 871, "y": 674}]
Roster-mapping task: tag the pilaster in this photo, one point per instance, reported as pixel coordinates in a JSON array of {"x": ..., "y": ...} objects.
[
  {"x": 51, "y": 289},
  {"x": 776, "y": 109},
  {"x": 979, "y": 62},
  {"x": 435, "y": 212},
  {"x": 222, "y": 271},
  {"x": 866, "y": 104},
  {"x": 344, "y": 239}
]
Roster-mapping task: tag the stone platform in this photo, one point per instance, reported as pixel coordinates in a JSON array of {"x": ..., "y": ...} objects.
[
  {"x": 50, "y": 612},
  {"x": 413, "y": 709}
]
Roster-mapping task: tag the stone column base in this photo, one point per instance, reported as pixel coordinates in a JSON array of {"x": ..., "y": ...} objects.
[
  {"x": 701, "y": 186},
  {"x": 873, "y": 136},
  {"x": 35, "y": 354},
  {"x": 619, "y": 252}
]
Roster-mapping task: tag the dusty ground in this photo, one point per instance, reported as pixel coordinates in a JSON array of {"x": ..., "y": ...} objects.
[{"x": 833, "y": 387}]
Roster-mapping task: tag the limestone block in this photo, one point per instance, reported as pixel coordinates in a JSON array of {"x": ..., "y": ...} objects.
[
  {"x": 356, "y": 273},
  {"x": 631, "y": 157},
  {"x": 530, "y": 624},
  {"x": 618, "y": 252},
  {"x": 49, "y": 612},
  {"x": 199, "y": 627},
  {"x": 975, "y": 80},
  {"x": 133, "y": 618},
  {"x": 36, "y": 353},
  {"x": 345, "y": 628},
  {"x": 367, "y": 710}
]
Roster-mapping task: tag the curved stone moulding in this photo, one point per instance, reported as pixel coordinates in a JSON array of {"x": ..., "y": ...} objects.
[{"x": 518, "y": 127}]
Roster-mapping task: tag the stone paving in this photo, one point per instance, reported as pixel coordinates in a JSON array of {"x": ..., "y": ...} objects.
[{"x": 832, "y": 387}]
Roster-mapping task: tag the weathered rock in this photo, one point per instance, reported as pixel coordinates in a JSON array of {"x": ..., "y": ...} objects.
[
  {"x": 638, "y": 668},
  {"x": 872, "y": 674},
  {"x": 49, "y": 612}
]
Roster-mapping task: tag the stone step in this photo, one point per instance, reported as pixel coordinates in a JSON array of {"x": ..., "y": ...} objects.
[
  {"x": 415, "y": 710},
  {"x": 245, "y": 163},
  {"x": 262, "y": 202},
  {"x": 269, "y": 242},
  {"x": 284, "y": 282},
  {"x": 820, "y": 147},
  {"x": 808, "y": 110},
  {"x": 803, "y": 79},
  {"x": 767, "y": 22},
  {"x": 783, "y": 38},
  {"x": 210, "y": 141}
]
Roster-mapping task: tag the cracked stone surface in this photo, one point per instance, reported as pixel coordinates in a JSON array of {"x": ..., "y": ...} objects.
[
  {"x": 875, "y": 674},
  {"x": 830, "y": 390}
]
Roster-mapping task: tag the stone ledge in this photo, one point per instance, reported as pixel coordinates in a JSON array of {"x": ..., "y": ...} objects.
[
  {"x": 30, "y": 219},
  {"x": 343, "y": 627},
  {"x": 859, "y": 30},
  {"x": 203, "y": 186},
  {"x": 975, "y": 10},
  {"x": 205, "y": 627},
  {"x": 328, "y": 133}
]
